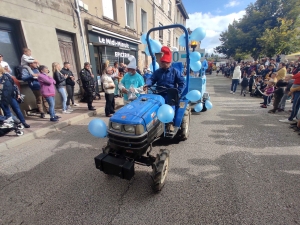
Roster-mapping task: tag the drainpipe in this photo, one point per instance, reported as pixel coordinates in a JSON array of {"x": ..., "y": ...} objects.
[{"x": 81, "y": 31}]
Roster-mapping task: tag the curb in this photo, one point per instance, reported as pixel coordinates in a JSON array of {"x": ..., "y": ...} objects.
[{"x": 14, "y": 142}]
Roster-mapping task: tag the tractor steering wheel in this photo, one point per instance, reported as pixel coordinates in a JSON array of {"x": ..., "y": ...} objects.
[{"x": 155, "y": 91}]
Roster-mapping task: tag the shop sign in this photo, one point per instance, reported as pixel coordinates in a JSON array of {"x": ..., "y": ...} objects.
[
  {"x": 113, "y": 42},
  {"x": 121, "y": 54}
]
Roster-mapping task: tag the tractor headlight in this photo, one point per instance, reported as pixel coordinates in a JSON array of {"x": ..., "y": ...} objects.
[
  {"x": 129, "y": 129},
  {"x": 139, "y": 129},
  {"x": 116, "y": 126}
]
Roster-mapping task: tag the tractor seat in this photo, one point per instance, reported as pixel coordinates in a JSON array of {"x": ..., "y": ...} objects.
[{"x": 172, "y": 97}]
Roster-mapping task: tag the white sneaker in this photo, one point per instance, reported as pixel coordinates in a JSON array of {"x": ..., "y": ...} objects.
[
  {"x": 286, "y": 121},
  {"x": 66, "y": 112},
  {"x": 9, "y": 120},
  {"x": 75, "y": 104},
  {"x": 69, "y": 108},
  {"x": 231, "y": 92}
]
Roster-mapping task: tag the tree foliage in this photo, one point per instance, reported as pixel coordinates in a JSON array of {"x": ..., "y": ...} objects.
[
  {"x": 281, "y": 39},
  {"x": 246, "y": 35}
]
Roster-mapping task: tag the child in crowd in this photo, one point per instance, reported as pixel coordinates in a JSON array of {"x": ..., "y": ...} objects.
[
  {"x": 278, "y": 94},
  {"x": 27, "y": 58},
  {"x": 285, "y": 96},
  {"x": 268, "y": 93},
  {"x": 244, "y": 85},
  {"x": 251, "y": 81}
]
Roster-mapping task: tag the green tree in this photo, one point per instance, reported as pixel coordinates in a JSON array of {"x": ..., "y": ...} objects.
[
  {"x": 282, "y": 39},
  {"x": 260, "y": 16}
]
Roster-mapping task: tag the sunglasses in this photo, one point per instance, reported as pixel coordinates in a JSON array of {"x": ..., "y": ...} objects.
[{"x": 1, "y": 55}]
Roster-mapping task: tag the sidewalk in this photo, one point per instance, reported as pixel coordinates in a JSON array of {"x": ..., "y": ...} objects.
[{"x": 40, "y": 127}]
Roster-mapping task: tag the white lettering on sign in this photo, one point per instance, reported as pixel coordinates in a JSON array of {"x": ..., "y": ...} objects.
[
  {"x": 113, "y": 42},
  {"x": 121, "y": 54}
]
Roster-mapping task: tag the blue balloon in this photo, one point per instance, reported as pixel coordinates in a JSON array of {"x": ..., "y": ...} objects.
[
  {"x": 98, "y": 128},
  {"x": 156, "y": 66},
  {"x": 208, "y": 104},
  {"x": 165, "y": 113},
  {"x": 155, "y": 46},
  {"x": 198, "y": 107},
  {"x": 147, "y": 50},
  {"x": 193, "y": 95},
  {"x": 144, "y": 38},
  {"x": 182, "y": 40},
  {"x": 205, "y": 64},
  {"x": 196, "y": 66},
  {"x": 198, "y": 34},
  {"x": 195, "y": 56}
]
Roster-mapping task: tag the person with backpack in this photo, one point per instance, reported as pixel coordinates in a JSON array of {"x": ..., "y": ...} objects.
[{"x": 34, "y": 85}]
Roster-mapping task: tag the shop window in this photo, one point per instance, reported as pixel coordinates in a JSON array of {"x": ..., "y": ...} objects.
[
  {"x": 161, "y": 34},
  {"x": 169, "y": 8},
  {"x": 129, "y": 14},
  {"x": 10, "y": 42},
  {"x": 144, "y": 21},
  {"x": 109, "y": 9}
]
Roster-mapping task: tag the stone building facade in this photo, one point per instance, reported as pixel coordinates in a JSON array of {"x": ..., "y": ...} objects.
[{"x": 111, "y": 30}]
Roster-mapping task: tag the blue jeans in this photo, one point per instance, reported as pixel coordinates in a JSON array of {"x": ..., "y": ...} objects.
[
  {"x": 63, "y": 94},
  {"x": 296, "y": 105},
  {"x": 235, "y": 83},
  {"x": 16, "y": 108},
  {"x": 6, "y": 110},
  {"x": 51, "y": 102}
]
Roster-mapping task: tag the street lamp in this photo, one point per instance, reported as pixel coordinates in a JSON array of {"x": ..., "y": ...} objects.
[{"x": 193, "y": 45}]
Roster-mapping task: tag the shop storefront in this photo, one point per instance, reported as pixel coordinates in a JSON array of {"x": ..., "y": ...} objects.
[{"x": 106, "y": 45}]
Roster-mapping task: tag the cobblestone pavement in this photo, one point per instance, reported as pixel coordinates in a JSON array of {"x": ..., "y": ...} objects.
[{"x": 239, "y": 166}]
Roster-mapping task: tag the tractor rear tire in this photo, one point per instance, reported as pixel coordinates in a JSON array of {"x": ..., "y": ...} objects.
[
  {"x": 160, "y": 170},
  {"x": 184, "y": 131}
]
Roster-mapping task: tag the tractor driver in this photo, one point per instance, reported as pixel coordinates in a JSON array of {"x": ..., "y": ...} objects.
[{"x": 166, "y": 76}]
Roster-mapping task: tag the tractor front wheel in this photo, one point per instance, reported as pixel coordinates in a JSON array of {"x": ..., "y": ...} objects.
[{"x": 160, "y": 170}]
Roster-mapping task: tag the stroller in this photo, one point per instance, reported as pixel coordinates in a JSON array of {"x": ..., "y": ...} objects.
[{"x": 7, "y": 126}]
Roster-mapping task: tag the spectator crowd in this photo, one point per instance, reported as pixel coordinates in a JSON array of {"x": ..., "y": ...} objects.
[{"x": 274, "y": 81}]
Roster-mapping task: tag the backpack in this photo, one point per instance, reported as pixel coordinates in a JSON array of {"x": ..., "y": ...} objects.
[{"x": 18, "y": 72}]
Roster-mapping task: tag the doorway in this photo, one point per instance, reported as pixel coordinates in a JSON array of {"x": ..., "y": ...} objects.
[{"x": 67, "y": 51}]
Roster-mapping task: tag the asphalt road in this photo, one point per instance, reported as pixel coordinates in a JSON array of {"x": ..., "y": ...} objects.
[{"x": 239, "y": 166}]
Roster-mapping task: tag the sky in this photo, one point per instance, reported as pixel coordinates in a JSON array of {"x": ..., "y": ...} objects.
[{"x": 214, "y": 16}]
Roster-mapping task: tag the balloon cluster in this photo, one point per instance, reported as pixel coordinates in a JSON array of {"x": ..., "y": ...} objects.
[
  {"x": 197, "y": 35},
  {"x": 195, "y": 96},
  {"x": 155, "y": 47},
  {"x": 98, "y": 128}
]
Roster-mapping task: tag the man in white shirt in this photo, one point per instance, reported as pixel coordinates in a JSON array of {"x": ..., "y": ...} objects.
[
  {"x": 4, "y": 64},
  {"x": 109, "y": 88}
]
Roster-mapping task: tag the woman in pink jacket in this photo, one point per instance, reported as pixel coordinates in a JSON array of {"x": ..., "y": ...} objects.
[{"x": 48, "y": 90}]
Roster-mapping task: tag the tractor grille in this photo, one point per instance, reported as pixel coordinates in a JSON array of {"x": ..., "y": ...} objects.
[{"x": 128, "y": 142}]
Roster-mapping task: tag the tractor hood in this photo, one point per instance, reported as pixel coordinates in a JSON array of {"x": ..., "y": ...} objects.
[{"x": 139, "y": 111}]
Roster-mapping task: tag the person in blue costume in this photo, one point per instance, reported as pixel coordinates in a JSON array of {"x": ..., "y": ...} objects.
[
  {"x": 167, "y": 76},
  {"x": 204, "y": 67},
  {"x": 132, "y": 83}
]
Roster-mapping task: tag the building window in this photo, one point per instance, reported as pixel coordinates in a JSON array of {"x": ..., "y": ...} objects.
[
  {"x": 129, "y": 14},
  {"x": 161, "y": 2},
  {"x": 161, "y": 33},
  {"x": 108, "y": 9},
  {"x": 169, "y": 37},
  {"x": 169, "y": 8},
  {"x": 176, "y": 43},
  {"x": 144, "y": 21},
  {"x": 177, "y": 16}
]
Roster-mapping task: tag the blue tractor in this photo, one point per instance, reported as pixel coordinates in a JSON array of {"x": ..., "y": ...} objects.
[{"x": 133, "y": 129}]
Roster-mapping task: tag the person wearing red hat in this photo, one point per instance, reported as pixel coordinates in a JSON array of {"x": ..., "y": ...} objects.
[{"x": 166, "y": 76}]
